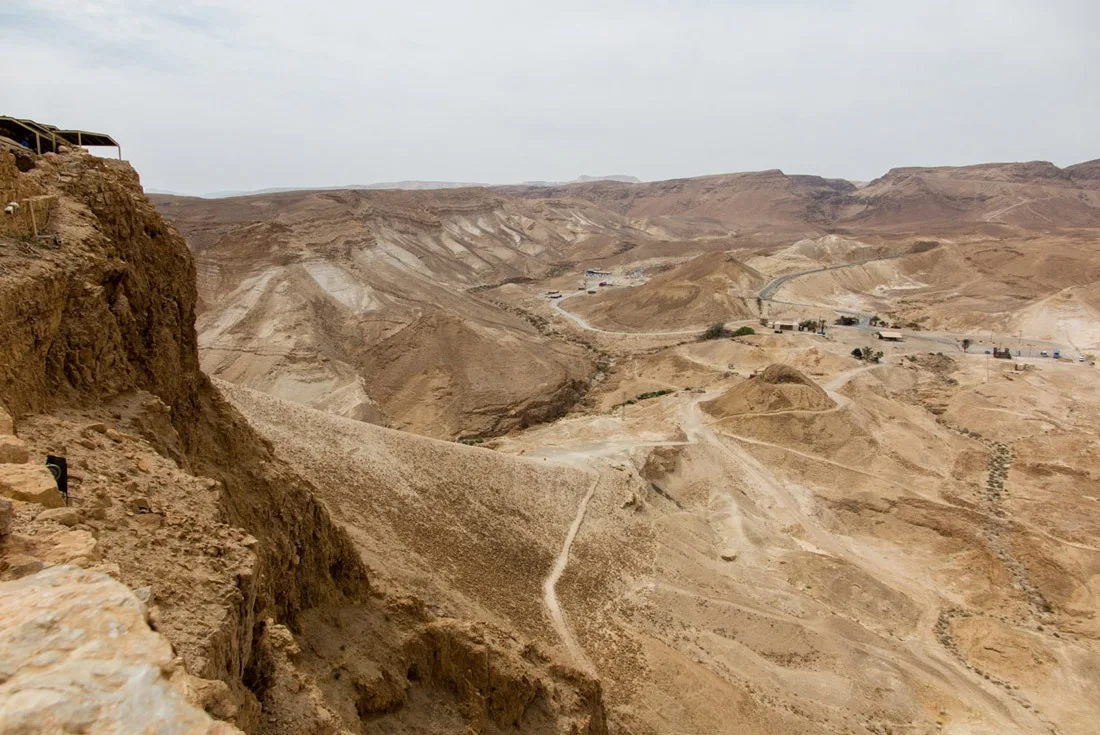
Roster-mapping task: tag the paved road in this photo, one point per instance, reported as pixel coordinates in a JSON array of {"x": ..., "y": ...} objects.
[{"x": 767, "y": 294}]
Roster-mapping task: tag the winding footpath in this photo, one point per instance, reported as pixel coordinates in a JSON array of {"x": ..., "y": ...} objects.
[{"x": 549, "y": 585}]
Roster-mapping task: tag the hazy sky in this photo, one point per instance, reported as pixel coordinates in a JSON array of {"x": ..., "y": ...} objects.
[{"x": 208, "y": 96}]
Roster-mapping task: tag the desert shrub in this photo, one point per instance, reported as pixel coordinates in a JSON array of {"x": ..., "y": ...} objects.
[
  {"x": 652, "y": 394},
  {"x": 716, "y": 331},
  {"x": 742, "y": 332},
  {"x": 867, "y": 354}
]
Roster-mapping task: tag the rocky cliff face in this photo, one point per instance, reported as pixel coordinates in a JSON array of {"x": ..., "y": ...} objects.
[
  {"x": 97, "y": 668},
  {"x": 174, "y": 494}
]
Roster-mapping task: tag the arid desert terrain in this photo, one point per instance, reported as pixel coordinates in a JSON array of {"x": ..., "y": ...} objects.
[{"x": 750, "y": 453}]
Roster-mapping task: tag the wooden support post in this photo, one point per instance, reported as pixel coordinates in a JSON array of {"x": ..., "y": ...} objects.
[{"x": 34, "y": 222}]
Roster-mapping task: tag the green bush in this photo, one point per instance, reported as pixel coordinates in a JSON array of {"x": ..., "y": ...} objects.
[
  {"x": 719, "y": 331},
  {"x": 715, "y": 331}
]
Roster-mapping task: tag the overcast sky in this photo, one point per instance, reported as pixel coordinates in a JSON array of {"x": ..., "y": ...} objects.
[{"x": 210, "y": 96}]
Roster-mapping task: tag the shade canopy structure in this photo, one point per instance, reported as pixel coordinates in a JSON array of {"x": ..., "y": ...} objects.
[
  {"x": 85, "y": 137},
  {"x": 42, "y": 138}
]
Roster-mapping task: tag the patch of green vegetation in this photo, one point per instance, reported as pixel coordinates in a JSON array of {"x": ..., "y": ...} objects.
[
  {"x": 867, "y": 354},
  {"x": 718, "y": 331},
  {"x": 652, "y": 394},
  {"x": 644, "y": 396}
]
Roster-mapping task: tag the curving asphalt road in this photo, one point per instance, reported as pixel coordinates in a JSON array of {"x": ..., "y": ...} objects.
[{"x": 767, "y": 294}]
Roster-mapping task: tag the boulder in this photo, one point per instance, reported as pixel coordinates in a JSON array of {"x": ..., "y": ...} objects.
[
  {"x": 7, "y": 426},
  {"x": 69, "y": 547},
  {"x": 31, "y": 483},
  {"x": 77, "y": 655},
  {"x": 64, "y": 516},
  {"x": 13, "y": 450}
]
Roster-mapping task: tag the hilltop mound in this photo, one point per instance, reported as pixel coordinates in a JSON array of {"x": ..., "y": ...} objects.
[
  {"x": 444, "y": 376},
  {"x": 706, "y": 289},
  {"x": 778, "y": 388}
]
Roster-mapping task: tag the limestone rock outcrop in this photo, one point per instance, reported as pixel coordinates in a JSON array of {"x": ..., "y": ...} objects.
[
  {"x": 30, "y": 483},
  {"x": 77, "y": 655}
]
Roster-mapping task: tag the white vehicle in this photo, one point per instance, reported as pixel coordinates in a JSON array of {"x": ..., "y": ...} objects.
[{"x": 1044, "y": 353}]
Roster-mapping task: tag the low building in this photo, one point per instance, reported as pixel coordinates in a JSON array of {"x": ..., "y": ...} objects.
[
  {"x": 785, "y": 326},
  {"x": 890, "y": 335}
]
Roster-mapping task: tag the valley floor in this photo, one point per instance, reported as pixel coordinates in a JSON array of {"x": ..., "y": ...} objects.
[{"x": 918, "y": 557}]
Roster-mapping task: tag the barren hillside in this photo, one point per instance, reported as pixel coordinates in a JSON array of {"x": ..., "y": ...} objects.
[
  {"x": 1029, "y": 196},
  {"x": 744, "y": 200},
  {"x": 709, "y": 288},
  {"x": 760, "y": 534},
  {"x": 350, "y": 301},
  {"x": 988, "y": 197}
]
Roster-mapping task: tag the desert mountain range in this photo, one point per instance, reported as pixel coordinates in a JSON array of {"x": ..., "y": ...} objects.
[
  {"x": 364, "y": 302},
  {"x": 730, "y": 454}
]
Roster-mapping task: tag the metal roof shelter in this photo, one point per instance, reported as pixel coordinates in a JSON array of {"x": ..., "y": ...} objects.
[
  {"x": 41, "y": 138},
  {"x": 891, "y": 336}
]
